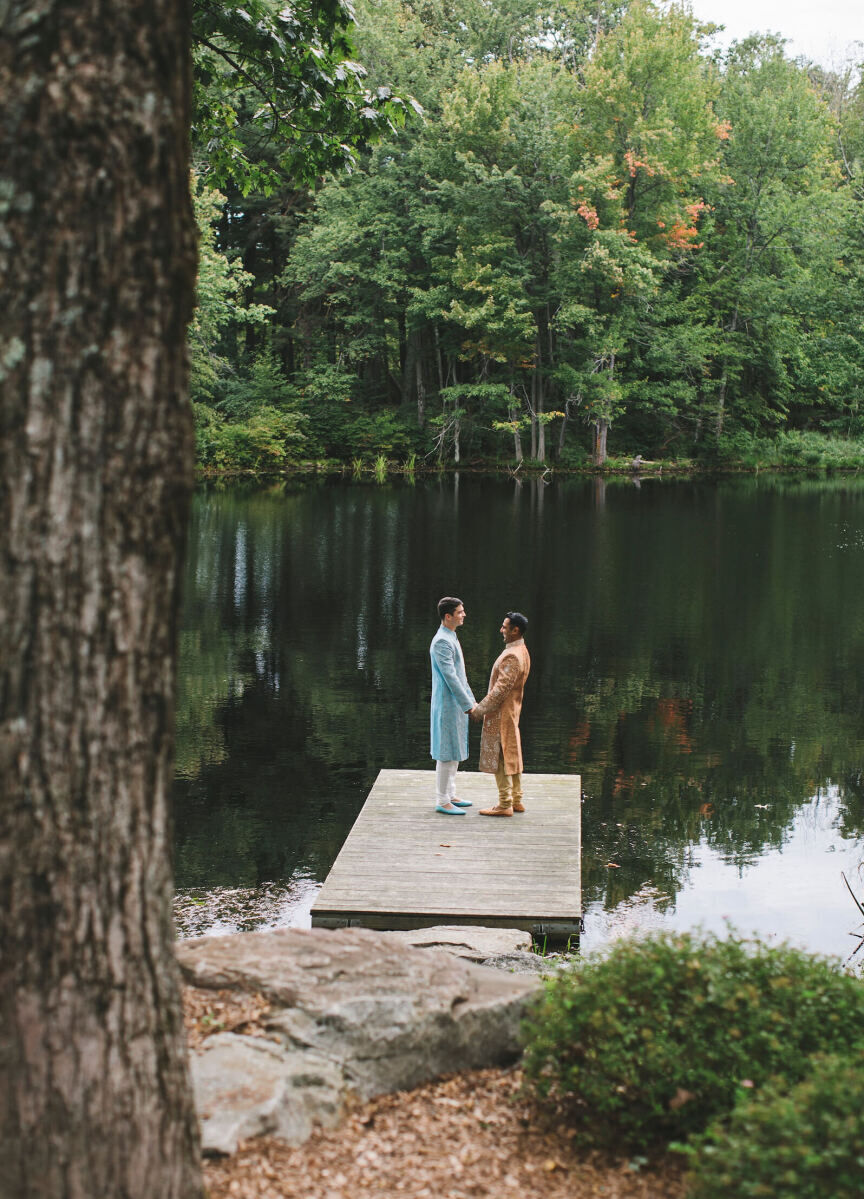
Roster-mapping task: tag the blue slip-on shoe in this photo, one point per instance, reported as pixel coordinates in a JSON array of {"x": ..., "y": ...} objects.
[
  {"x": 462, "y": 803},
  {"x": 449, "y": 811}
]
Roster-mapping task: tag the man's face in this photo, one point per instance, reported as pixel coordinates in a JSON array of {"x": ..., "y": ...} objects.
[
  {"x": 454, "y": 619},
  {"x": 510, "y": 632}
]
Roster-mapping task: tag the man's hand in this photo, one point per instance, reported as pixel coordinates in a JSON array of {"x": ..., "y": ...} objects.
[{"x": 474, "y": 714}]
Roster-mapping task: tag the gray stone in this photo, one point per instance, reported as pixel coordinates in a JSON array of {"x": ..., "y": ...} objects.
[
  {"x": 248, "y": 1086},
  {"x": 475, "y": 943},
  {"x": 523, "y": 963},
  {"x": 239, "y": 1082},
  {"x": 500, "y": 948},
  {"x": 353, "y": 1011}
]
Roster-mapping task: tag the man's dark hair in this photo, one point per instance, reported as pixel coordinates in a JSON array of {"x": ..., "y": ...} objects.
[
  {"x": 448, "y": 605},
  {"x": 517, "y": 621}
]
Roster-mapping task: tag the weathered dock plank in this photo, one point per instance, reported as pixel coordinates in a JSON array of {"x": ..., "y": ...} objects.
[{"x": 406, "y": 866}]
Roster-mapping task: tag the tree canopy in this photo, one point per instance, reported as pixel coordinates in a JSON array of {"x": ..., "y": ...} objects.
[
  {"x": 600, "y": 237},
  {"x": 278, "y": 95}
]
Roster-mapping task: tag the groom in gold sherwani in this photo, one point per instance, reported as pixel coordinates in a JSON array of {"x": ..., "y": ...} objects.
[{"x": 500, "y": 743}]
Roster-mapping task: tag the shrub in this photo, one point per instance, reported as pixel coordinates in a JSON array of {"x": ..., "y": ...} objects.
[
  {"x": 262, "y": 387},
  {"x": 806, "y": 448},
  {"x": 260, "y": 445},
  {"x": 803, "y": 1143},
  {"x": 653, "y": 1040},
  {"x": 574, "y": 457}
]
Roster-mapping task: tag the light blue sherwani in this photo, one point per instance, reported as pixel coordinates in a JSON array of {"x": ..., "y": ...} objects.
[{"x": 451, "y": 698}]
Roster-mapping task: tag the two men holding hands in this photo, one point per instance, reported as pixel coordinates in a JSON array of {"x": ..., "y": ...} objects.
[{"x": 453, "y": 702}]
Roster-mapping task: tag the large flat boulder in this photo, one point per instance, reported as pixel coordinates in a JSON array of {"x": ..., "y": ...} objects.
[
  {"x": 473, "y": 942},
  {"x": 504, "y": 948},
  {"x": 353, "y": 1012}
]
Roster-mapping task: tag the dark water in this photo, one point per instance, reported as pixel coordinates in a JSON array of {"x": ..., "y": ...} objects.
[{"x": 698, "y": 657}]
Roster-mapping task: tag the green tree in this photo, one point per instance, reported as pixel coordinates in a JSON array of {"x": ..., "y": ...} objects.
[
  {"x": 596, "y": 226},
  {"x": 649, "y": 140},
  {"x": 285, "y": 75},
  {"x": 775, "y": 222},
  {"x": 220, "y": 302}
]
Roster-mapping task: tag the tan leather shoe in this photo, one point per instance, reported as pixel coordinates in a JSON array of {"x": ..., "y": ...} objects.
[
  {"x": 496, "y": 811},
  {"x": 518, "y": 805}
]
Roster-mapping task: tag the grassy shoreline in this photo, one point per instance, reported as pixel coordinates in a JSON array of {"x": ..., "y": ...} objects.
[
  {"x": 257, "y": 453},
  {"x": 396, "y": 471}
]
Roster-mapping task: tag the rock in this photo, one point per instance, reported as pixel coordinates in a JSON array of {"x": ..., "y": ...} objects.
[
  {"x": 500, "y": 948},
  {"x": 524, "y": 963},
  {"x": 475, "y": 943},
  {"x": 353, "y": 1011},
  {"x": 248, "y": 1086}
]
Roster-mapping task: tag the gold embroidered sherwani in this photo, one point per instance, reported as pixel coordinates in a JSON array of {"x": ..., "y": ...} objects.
[{"x": 500, "y": 709}]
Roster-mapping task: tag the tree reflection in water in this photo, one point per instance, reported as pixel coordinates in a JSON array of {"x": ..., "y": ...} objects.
[{"x": 698, "y": 654}]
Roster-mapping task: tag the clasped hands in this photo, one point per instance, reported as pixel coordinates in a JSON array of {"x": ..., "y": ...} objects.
[{"x": 474, "y": 713}]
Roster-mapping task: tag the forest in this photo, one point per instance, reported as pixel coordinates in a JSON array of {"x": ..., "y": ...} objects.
[{"x": 578, "y": 232}]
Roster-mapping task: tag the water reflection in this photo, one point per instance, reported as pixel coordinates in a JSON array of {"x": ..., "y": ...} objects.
[
  {"x": 697, "y": 648},
  {"x": 795, "y": 893},
  {"x": 218, "y": 911}
]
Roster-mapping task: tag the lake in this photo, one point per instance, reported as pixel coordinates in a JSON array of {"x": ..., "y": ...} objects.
[{"x": 698, "y": 657}]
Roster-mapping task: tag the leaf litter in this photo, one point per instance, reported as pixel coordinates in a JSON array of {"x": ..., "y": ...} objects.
[{"x": 467, "y": 1136}]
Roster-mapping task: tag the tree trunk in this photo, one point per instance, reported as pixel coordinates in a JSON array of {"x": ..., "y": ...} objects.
[
  {"x": 438, "y": 359},
  {"x": 724, "y": 381},
  {"x": 406, "y": 366},
  {"x": 562, "y": 436},
  {"x": 601, "y": 424},
  {"x": 97, "y": 271},
  {"x": 513, "y": 415},
  {"x": 540, "y": 409},
  {"x": 534, "y": 416},
  {"x": 601, "y": 429},
  {"x": 421, "y": 389},
  {"x": 544, "y": 325}
]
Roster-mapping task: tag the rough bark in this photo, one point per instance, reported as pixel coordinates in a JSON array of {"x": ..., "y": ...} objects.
[
  {"x": 513, "y": 415},
  {"x": 601, "y": 424},
  {"x": 601, "y": 429},
  {"x": 97, "y": 265}
]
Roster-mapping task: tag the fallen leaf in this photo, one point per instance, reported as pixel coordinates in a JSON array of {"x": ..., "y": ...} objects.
[{"x": 417, "y": 1140}]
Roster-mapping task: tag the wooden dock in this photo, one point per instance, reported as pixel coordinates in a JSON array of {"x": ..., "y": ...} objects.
[{"x": 406, "y": 866}]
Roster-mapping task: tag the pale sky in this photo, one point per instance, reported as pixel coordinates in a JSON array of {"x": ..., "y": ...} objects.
[{"x": 823, "y": 30}]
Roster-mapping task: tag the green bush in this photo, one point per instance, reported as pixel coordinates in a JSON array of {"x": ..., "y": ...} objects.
[
  {"x": 806, "y": 448},
  {"x": 260, "y": 445},
  {"x": 803, "y": 1143},
  {"x": 574, "y": 457},
  {"x": 652, "y": 1041},
  {"x": 262, "y": 387},
  {"x": 742, "y": 448}
]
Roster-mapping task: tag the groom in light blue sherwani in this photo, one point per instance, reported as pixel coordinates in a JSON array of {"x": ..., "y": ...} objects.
[{"x": 452, "y": 700}]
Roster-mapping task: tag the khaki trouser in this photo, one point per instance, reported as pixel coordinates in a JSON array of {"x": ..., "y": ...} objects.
[{"x": 509, "y": 785}]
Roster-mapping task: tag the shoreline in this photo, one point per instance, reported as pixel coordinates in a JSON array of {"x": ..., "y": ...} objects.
[{"x": 397, "y": 471}]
